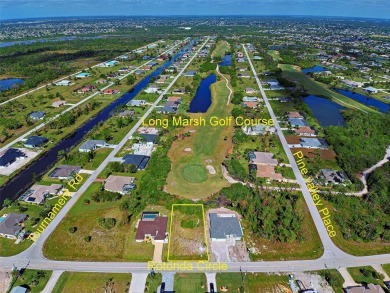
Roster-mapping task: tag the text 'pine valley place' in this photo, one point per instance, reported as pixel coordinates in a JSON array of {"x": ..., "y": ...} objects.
[
  {"x": 201, "y": 121},
  {"x": 324, "y": 211}
]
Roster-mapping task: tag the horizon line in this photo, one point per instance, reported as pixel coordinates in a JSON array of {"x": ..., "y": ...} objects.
[{"x": 198, "y": 15}]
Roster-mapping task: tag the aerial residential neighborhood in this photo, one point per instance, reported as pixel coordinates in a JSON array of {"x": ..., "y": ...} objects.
[{"x": 209, "y": 146}]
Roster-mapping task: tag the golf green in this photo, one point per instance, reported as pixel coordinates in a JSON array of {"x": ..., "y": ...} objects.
[{"x": 195, "y": 173}]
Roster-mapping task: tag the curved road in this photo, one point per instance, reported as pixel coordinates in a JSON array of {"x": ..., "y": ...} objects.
[{"x": 333, "y": 257}]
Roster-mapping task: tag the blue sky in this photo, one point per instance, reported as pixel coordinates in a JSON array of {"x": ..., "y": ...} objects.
[{"x": 10, "y": 9}]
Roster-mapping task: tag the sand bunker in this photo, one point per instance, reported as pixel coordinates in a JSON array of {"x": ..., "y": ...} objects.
[
  {"x": 208, "y": 161},
  {"x": 187, "y": 149},
  {"x": 211, "y": 169}
]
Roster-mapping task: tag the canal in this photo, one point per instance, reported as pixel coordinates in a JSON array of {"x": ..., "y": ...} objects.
[{"x": 19, "y": 184}]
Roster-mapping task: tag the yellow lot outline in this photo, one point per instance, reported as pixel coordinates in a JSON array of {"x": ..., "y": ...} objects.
[{"x": 205, "y": 231}]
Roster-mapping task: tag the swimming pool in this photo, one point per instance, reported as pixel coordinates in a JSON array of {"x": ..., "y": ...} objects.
[{"x": 2, "y": 218}]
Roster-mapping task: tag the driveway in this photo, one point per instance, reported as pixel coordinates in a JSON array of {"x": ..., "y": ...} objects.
[
  {"x": 348, "y": 281},
  {"x": 138, "y": 282},
  {"x": 52, "y": 281},
  {"x": 158, "y": 248}
]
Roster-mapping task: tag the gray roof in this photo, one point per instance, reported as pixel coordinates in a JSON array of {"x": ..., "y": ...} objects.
[
  {"x": 37, "y": 115},
  {"x": 64, "y": 171},
  {"x": 35, "y": 141},
  {"x": 297, "y": 122},
  {"x": 9, "y": 225},
  {"x": 224, "y": 225},
  {"x": 312, "y": 142},
  {"x": 91, "y": 144}
]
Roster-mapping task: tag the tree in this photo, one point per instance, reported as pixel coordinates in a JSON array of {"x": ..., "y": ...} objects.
[
  {"x": 7, "y": 203},
  {"x": 72, "y": 229}
]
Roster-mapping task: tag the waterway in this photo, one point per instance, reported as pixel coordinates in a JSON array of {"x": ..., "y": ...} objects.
[
  {"x": 381, "y": 106},
  {"x": 315, "y": 68},
  {"x": 227, "y": 61},
  {"x": 5, "y": 84},
  {"x": 325, "y": 111},
  {"x": 202, "y": 100},
  {"x": 21, "y": 182},
  {"x": 28, "y": 42}
]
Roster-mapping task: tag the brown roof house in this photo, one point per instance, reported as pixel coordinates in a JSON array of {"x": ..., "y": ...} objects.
[
  {"x": 10, "y": 225},
  {"x": 264, "y": 165},
  {"x": 121, "y": 184},
  {"x": 371, "y": 288},
  {"x": 152, "y": 227},
  {"x": 305, "y": 131}
]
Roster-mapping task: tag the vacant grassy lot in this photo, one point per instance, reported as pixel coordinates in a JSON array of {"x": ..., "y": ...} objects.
[
  {"x": 26, "y": 280},
  {"x": 275, "y": 55},
  {"x": 386, "y": 267},
  {"x": 116, "y": 244},
  {"x": 209, "y": 145},
  {"x": 252, "y": 282},
  {"x": 316, "y": 88},
  {"x": 194, "y": 283},
  {"x": 71, "y": 282},
  {"x": 187, "y": 233},
  {"x": 309, "y": 248}
]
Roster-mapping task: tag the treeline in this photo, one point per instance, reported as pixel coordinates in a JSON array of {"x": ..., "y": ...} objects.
[
  {"x": 362, "y": 143},
  {"x": 379, "y": 188},
  {"x": 270, "y": 214}
]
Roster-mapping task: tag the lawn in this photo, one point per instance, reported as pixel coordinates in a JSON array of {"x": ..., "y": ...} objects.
[
  {"x": 194, "y": 283},
  {"x": 309, "y": 248},
  {"x": 275, "y": 55},
  {"x": 187, "y": 233},
  {"x": 27, "y": 278},
  {"x": 386, "y": 267},
  {"x": 189, "y": 177},
  {"x": 252, "y": 282},
  {"x": 152, "y": 283},
  {"x": 116, "y": 244},
  {"x": 71, "y": 282},
  {"x": 220, "y": 49},
  {"x": 316, "y": 88},
  {"x": 358, "y": 276}
]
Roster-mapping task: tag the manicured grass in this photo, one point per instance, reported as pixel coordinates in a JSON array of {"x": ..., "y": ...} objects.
[
  {"x": 316, "y": 88},
  {"x": 71, "y": 282},
  {"x": 386, "y": 268},
  {"x": 152, "y": 283},
  {"x": 195, "y": 173},
  {"x": 220, "y": 49},
  {"x": 275, "y": 55},
  {"x": 252, "y": 282},
  {"x": 358, "y": 277},
  {"x": 194, "y": 283},
  {"x": 209, "y": 145},
  {"x": 309, "y": 248},
  {"x": 29, "y": 275},
  {"x": 116, "y": 244}
]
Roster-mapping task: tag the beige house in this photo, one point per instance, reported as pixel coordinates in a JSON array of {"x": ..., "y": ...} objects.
[{"x": 121, "y": 184}]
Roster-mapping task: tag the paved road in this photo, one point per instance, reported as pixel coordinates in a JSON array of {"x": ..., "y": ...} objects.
[
  {"x": 332, "y": 258},
  {"x": 67, "y": 76},
  {"x": 22, "y": 137}
]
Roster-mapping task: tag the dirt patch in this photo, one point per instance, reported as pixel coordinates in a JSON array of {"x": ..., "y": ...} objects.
[
  {"x": 187, "y": 149},
  {"x": 312, "y": 153},
  {"x": 211, "y": 169},
  {"x": 292, "y": 139},
  {"x": 313, "y": 281},
  {"x": 5, "y": 280}
]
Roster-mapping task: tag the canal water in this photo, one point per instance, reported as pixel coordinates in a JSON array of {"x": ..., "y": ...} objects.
[
  {"x": 381, "y": 106},
  {"x": 316, "y": 68},
  {"x": 325, "y": 111},
  {"x": 24, "y": 179},
  {"x": 202, "y": 100},
  {"x": 5, "y": 84}
]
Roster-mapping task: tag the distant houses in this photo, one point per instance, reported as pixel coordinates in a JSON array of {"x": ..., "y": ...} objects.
[
  {"x": 37, "y": 115},
  {"x": 190, "y": 73},
  {"x": 83, "y": 75},
  {"x": 310, "y": 143},
  {"x": 63, "y": 82},
  {"x": 111, "y": 92},
  {"x": 58, "y": 104}
]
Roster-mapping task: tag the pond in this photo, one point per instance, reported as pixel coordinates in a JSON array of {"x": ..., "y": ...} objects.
[
  {"x": 325, "y": 111},
  {"x": 316, "y": 68},
  {"x": 227, "y": 61},
  {"x": 202, "y": 100},
  {"x": 5, "y": 84},
  {"x": 381, "y": 106}
]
